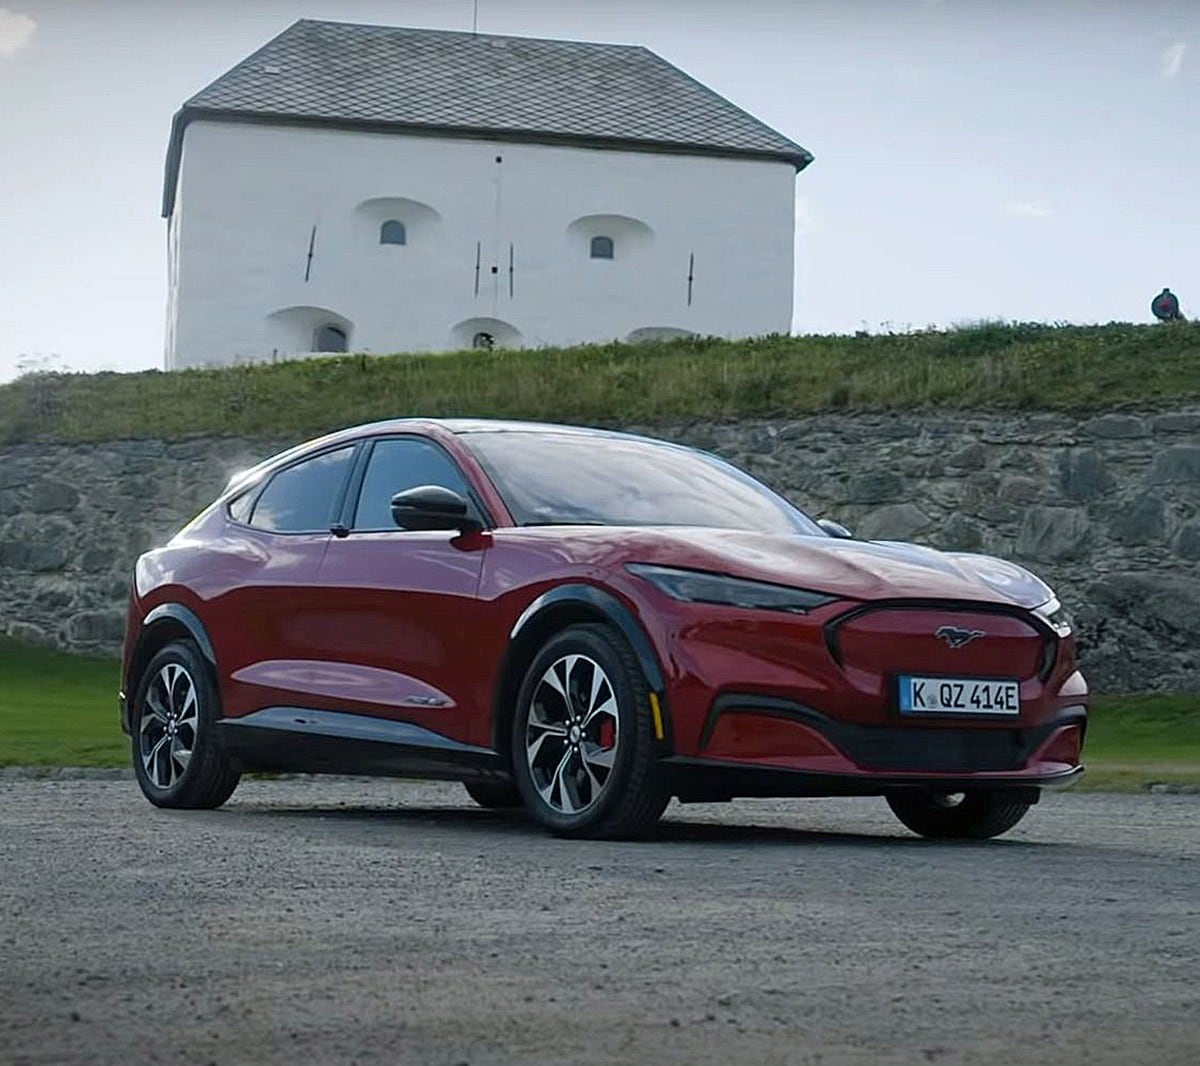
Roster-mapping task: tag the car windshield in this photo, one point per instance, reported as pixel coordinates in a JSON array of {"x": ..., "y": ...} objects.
[{"x": 569, "y": 479}]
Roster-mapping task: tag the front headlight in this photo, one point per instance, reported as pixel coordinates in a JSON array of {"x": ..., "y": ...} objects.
[
  {"x": 1055, "y": 615},
  {"x": 700, "y": 586}
]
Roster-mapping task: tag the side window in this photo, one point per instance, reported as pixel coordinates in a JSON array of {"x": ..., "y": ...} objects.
[
  {"x": 301, "y": 498},
  {"x": 240, "y": 506},
  {"x": 395, "y": 466}
]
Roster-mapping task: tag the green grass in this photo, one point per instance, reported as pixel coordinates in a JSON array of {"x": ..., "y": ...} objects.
[
  {"x": 989, "y": 366},
  {"x": 60, "y": 710}
]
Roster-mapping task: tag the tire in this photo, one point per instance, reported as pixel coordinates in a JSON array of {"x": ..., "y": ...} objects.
[
  {"x": 494, "y": 795},
  {"x": 600, "y": 781},
  {"x": 166, "y": 720},
  {"x": 938, "y": 815}
]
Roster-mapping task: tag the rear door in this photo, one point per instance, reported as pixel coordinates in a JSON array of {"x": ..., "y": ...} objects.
[
  {"x": 267, "y": 621},
  {"x": 399, "y": 608}
]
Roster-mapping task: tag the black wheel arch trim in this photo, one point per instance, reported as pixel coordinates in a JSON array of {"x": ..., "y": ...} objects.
[
  {"x": 603, "y": 604},
  {"x": 186, "y": 617},
  {"x": 164, "y": 612},
  {"x": 612, "y": 608}
]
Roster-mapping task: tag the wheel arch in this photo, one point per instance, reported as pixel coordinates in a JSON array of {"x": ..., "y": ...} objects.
[
  {"x": 165, "y": 623},
  {"x": 551, "y": 612}
]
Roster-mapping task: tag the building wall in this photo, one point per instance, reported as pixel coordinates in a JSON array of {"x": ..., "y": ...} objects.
[
  {"x": 250, "y": 196},
  {"x": 1107, "y": 509}
]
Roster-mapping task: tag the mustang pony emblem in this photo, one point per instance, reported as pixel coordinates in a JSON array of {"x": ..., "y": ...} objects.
[{"x": 958, "y": 638}]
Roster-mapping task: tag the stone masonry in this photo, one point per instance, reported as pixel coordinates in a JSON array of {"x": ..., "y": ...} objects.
[{"x": 1105, "y": 508}]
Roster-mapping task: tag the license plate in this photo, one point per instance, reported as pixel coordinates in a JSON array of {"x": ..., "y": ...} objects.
[{"x": 950, "y": 695}]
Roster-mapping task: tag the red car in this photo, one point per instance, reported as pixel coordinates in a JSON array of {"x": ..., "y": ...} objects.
[{"x": 587, "y": 623}]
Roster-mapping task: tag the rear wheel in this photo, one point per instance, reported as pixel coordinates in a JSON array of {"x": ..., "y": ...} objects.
[
  {"x": 494, "y": 795},
  {"x": 956, "y": 815},
  {"x": 583, "y": 739},
  {"x": 177, "y": 754}
]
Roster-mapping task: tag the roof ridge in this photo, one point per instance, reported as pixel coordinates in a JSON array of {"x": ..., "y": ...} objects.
[{"x": 468, "y": 33}]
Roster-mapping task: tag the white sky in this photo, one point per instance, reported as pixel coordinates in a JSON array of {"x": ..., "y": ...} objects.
[{"x": 1019, "y": 159}]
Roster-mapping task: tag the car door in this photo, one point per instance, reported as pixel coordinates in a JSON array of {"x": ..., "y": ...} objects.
[
  {"x": 399, "y": 607},
  {"x": 266, "y": 624}
]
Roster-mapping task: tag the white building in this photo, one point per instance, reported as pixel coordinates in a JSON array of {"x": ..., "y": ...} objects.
[{"x": 367, "y": 188}]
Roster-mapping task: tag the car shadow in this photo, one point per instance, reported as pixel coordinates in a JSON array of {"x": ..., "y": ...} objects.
[{"x": 469, "y": 821}]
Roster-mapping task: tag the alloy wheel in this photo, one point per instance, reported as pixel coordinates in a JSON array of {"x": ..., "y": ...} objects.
[
  {"x": 571, "y": 734},
  {"x": 168, "y": 729}
]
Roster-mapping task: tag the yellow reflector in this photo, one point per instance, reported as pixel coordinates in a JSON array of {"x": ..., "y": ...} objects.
[{"x": 659, "y": 734}]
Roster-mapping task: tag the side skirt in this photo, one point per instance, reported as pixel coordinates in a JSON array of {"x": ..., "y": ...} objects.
[{"x": 295, "y": 740}]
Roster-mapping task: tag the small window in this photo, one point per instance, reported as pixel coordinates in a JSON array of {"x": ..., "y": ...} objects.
[
  {"x": 399, "y": 465},
  {"x": 393, "y": 232},
  {"x": 241, "y": 506},
  {"x": 330, "y": 338},
  {"x": 602, "y": 248},
  {"x": 301, "y": 498},
  {"x": 483, "y": 341}
]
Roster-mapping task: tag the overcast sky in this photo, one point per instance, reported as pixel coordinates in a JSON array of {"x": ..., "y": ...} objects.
[{"x": 974, "y": 158}]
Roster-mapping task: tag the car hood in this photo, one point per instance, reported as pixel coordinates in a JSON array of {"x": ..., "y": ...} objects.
[{"x": 851, "y": 569}]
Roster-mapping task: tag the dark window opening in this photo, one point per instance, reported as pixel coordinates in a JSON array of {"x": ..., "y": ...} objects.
[
  {"x": 603, "y": 248},
  {"x": 396, "y": 466},
  {"x": 330, "y": 339},
  {"x": 484, "y": 341},
  {"x": 301, "y": 498},
  {"x": 393, "y": 232}
]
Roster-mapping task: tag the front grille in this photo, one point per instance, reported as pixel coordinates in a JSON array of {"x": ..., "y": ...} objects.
[{"x": 934, "y": 750}]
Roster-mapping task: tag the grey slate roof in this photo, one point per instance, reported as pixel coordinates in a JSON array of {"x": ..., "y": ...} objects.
[{"x": 500, "y": 87}]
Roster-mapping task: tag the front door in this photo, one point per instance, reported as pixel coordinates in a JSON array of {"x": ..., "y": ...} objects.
[{"x": 399, "y": 606}]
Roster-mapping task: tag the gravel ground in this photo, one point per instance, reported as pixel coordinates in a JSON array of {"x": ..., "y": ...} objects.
[{"x": 368, "y": 921}]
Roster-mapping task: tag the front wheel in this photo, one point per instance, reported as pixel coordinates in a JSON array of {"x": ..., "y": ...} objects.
[
  {"x": 956, "y": 815},
  {"x": 177, "y": 754},
  {"x": 583, "y": 745}
]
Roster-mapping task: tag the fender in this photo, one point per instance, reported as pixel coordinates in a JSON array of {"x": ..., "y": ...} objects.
[
  {"x": 612, "y": 609},
  {"x": 179, "y": 615},
  {"x": 186, "y": 618}
]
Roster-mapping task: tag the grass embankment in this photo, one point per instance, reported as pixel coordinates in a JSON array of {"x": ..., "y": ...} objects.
[
  {"x": 60, "y": 710},
  {"x": 997, "y": 367}
]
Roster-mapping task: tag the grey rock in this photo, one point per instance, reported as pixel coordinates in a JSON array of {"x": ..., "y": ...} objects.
[
  {"x": 39, "y": 558},
  {"x": 972, "y": 457},
  {"x": 9, "y": 504},
  {"x": 1163, "y": 605},
  {"x": 96, "y": 559},
  {"x": 15, "y": 474},
  {"x": 26, "y": 632},
  {"x": 90, "y": 627},
  {"x": 875, "y": 486},
  {"x": 1177, "y": 422},
  {"x": 1018, "y": 489},
  {"x": 1115, "y": 427},
  {"x": 1180, "y": 463},
  {"x": 1053, "y": 533},
  {"x": 1187, "y": 541},
  {"x": 53, "y": 496},
  {"x": 958, "y": 533},
  {"x": 1082, "y": 474},
  {"x": 1141, "y": 521},
  {"x": 895, "y": 521}
]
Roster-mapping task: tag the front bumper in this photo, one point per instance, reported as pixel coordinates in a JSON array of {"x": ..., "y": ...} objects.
[{"x": 760, "y": 746}]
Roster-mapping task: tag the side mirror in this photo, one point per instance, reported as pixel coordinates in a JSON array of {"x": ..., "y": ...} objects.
[
  {"x": 835, "y": 529},
  {"x": 431, "y": 507}
]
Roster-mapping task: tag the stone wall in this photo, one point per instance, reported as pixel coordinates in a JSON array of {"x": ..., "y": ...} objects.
[{"x": 1107, "y": 509}]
